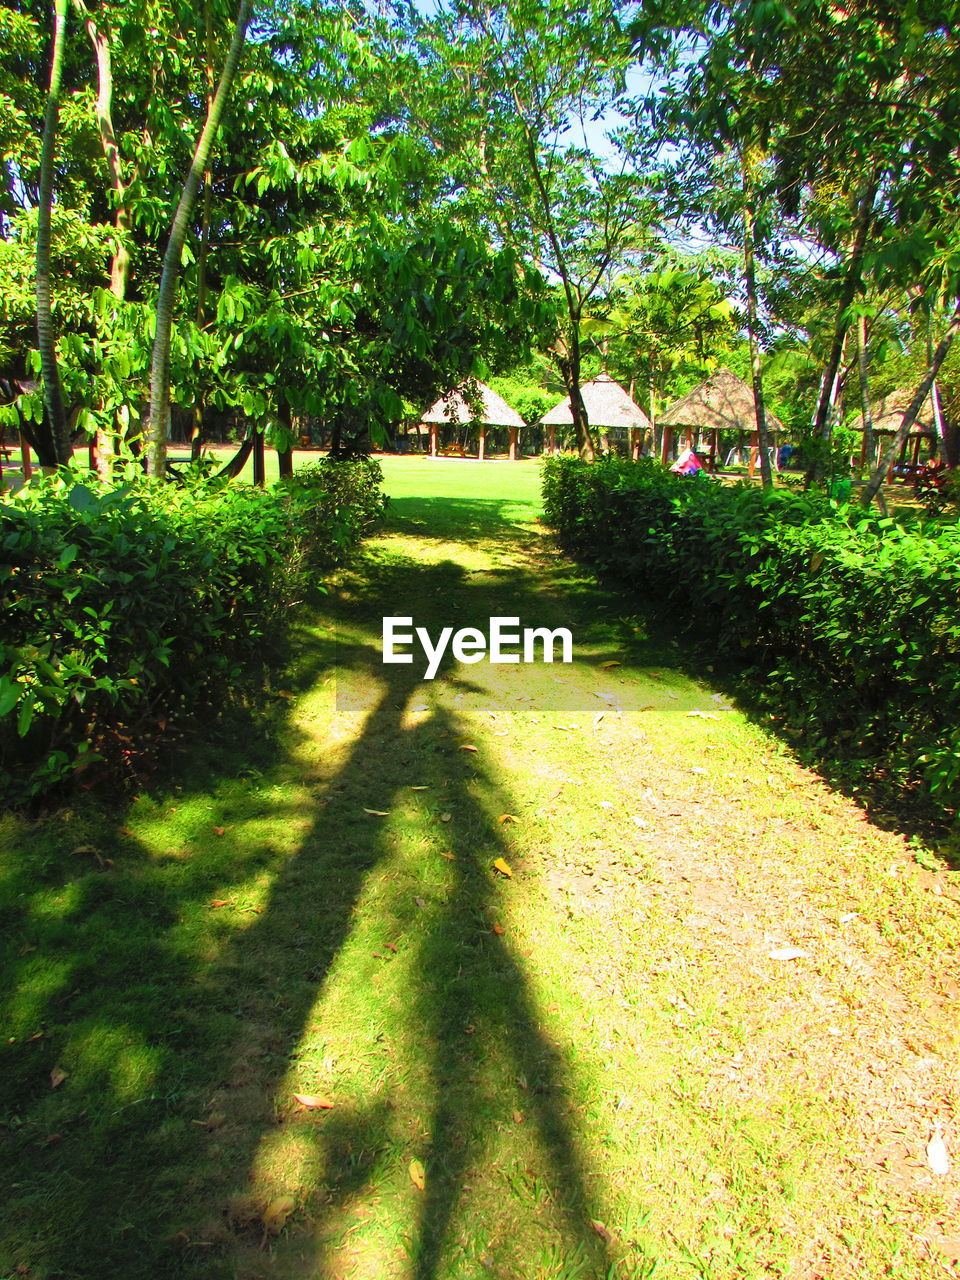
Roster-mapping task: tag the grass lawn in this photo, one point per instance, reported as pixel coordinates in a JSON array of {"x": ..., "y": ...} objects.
[{"x": 524, "y": 972}]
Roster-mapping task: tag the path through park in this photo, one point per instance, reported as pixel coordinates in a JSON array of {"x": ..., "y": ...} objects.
[
  {"x": 532, "y": 972},
  {"x": 625, "y": 991}
]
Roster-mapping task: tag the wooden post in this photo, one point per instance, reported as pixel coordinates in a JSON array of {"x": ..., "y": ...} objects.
[
  {"x": 434, "y": 439},
  {"x": 25, "y": 464},
  {"x": 513, "y": 444},
  {"x": 552, "y": 438},
  {"x": 483, "y": 441}
]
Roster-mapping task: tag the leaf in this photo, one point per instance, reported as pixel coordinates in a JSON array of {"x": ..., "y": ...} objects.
[
  {"x": 608, "y": 666},
  {"x": 499, "y": 930},
  {"x": 466, "y": 746},
  {"x": 313, "y": 1101},
  {"x": 378, "y": 813},
  {"x": 604, "y": 1232},
  {"x": 445, "y": 817},
  {"x": 219, "y": 831},
  {"x": 788, "y": 953},
  {"x": 220, "y": 902},
  {"x": 418, "y": 1175},
  {"x": 503, "y": 867},
  {"x": 419, "y": 788},
  {"x": 937, "y": 1157},
  {"x": 275, "y": 1215},
  {"x": 57, "y": 1077},
  {"x": 449, "y": 856},
  {"x": 507, "y": 817}
]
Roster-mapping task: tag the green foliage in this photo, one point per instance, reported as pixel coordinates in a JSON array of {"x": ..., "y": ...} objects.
[
  {"x": 121, "y": 606},
  {"x": 850, "y": 618}
]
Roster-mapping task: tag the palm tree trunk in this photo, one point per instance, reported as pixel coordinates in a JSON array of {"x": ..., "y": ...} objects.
[{"x": 159, "y": 423}]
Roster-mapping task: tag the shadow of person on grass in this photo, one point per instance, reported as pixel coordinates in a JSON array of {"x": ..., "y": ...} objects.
[{"x": 136, "y": 1157}]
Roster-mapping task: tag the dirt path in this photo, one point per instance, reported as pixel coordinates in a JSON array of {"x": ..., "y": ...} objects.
[{"x": 704, "y": 1023}]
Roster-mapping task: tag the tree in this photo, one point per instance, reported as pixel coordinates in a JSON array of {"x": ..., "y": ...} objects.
[
  {"x": 530, "y": 80},
  {"x": 156, "y": 439}
]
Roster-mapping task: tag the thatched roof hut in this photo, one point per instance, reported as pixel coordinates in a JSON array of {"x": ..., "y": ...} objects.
[
  {"x": 887, "y": 414},
  {"x": 723, "y": 402},
  {"x": 607, "y": 404},
  {"x": 493, "y": 412}
]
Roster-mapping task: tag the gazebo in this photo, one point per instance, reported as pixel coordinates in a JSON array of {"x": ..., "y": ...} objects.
[
  {"x": 723, "y": 402},
  {"x": 608, "y": 407},
  {"x": 887, "y": 414},
  {"x": 453, "y": 408}
]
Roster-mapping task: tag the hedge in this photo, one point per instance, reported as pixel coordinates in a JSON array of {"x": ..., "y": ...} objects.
[
  {"x": 853, "y": 619},
  {"x": 123, "y": 605}
]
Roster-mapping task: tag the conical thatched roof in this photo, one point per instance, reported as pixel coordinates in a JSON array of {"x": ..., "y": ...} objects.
[
  {"x": 887, "y": 414},
  {"x": 724, "y": 402},
  {"x": 454, "y": 408},
  {"x": 606, "y": 403}
]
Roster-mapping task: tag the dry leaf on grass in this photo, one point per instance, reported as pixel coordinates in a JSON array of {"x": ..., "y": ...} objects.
[
  {"x": 608, "y": 666},
  {"x": 445, "y": 817},
  {"x": 503, "y": 867},
  {"x": 220, "y": 902},
  {"x": 604, "y": 1232},
  {"x": 418, "y": 1175},
  {"x": 498, "y": 930},
  {"x": 702, "y": 715},
  {"x": 378, "y": 813},
  {"x": 507, "y": 817},
  {"x": 275, "y": 1215},
  {"x": 313, "y": 1101},
  {"x": 219, "y": 831},
  {"x": 57, "y": 1077},
  {"x": 466, "y": 746},
  {"x": 937, "y": 1157}
]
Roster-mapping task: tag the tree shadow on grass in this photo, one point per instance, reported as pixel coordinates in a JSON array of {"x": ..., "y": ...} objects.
[{"x": 157, "y": 996}]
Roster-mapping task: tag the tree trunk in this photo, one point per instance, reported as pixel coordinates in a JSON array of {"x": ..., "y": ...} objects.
[
  {"x": 196, "y": 430},
  {"x": 159, "y": 424},
  {"x": 285, "y": 456},
  {"x": 750, "y": 282},
  {"x": 569, "y": 363},
  {"x": 869, "y": 443},
  {"x": 822, "y": 420},
  {"x": 52, "y": 436},
  {"x": 913, "y": 410}
]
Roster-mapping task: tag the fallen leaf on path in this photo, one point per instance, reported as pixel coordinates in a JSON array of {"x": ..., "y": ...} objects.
[
  {"x": 418, "y": 1175},
  {"x": 507, "y": 817},
  {"x": 313, "y": 1101},
  {"x": 57, "y": 1077},
  {"x": 377, "y": 813},
  {"x": 788, "y": 953},
  {"x": 220, "y": 902},
  {"x": 466, "y": 746},
  {"x": 503, "y": 867},
  {"x": 937, "y": 1157},
  {"x": 608, "y": 666},
  {"x": 275, "y": 1215}
]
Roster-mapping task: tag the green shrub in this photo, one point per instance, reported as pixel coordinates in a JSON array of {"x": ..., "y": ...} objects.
[
  {"x": 851, "y": 618},
  {"x": 123, "y": 605}
]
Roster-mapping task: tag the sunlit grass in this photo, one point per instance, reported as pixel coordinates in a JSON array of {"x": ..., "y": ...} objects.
[{"x": 593, "y": 1064}]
